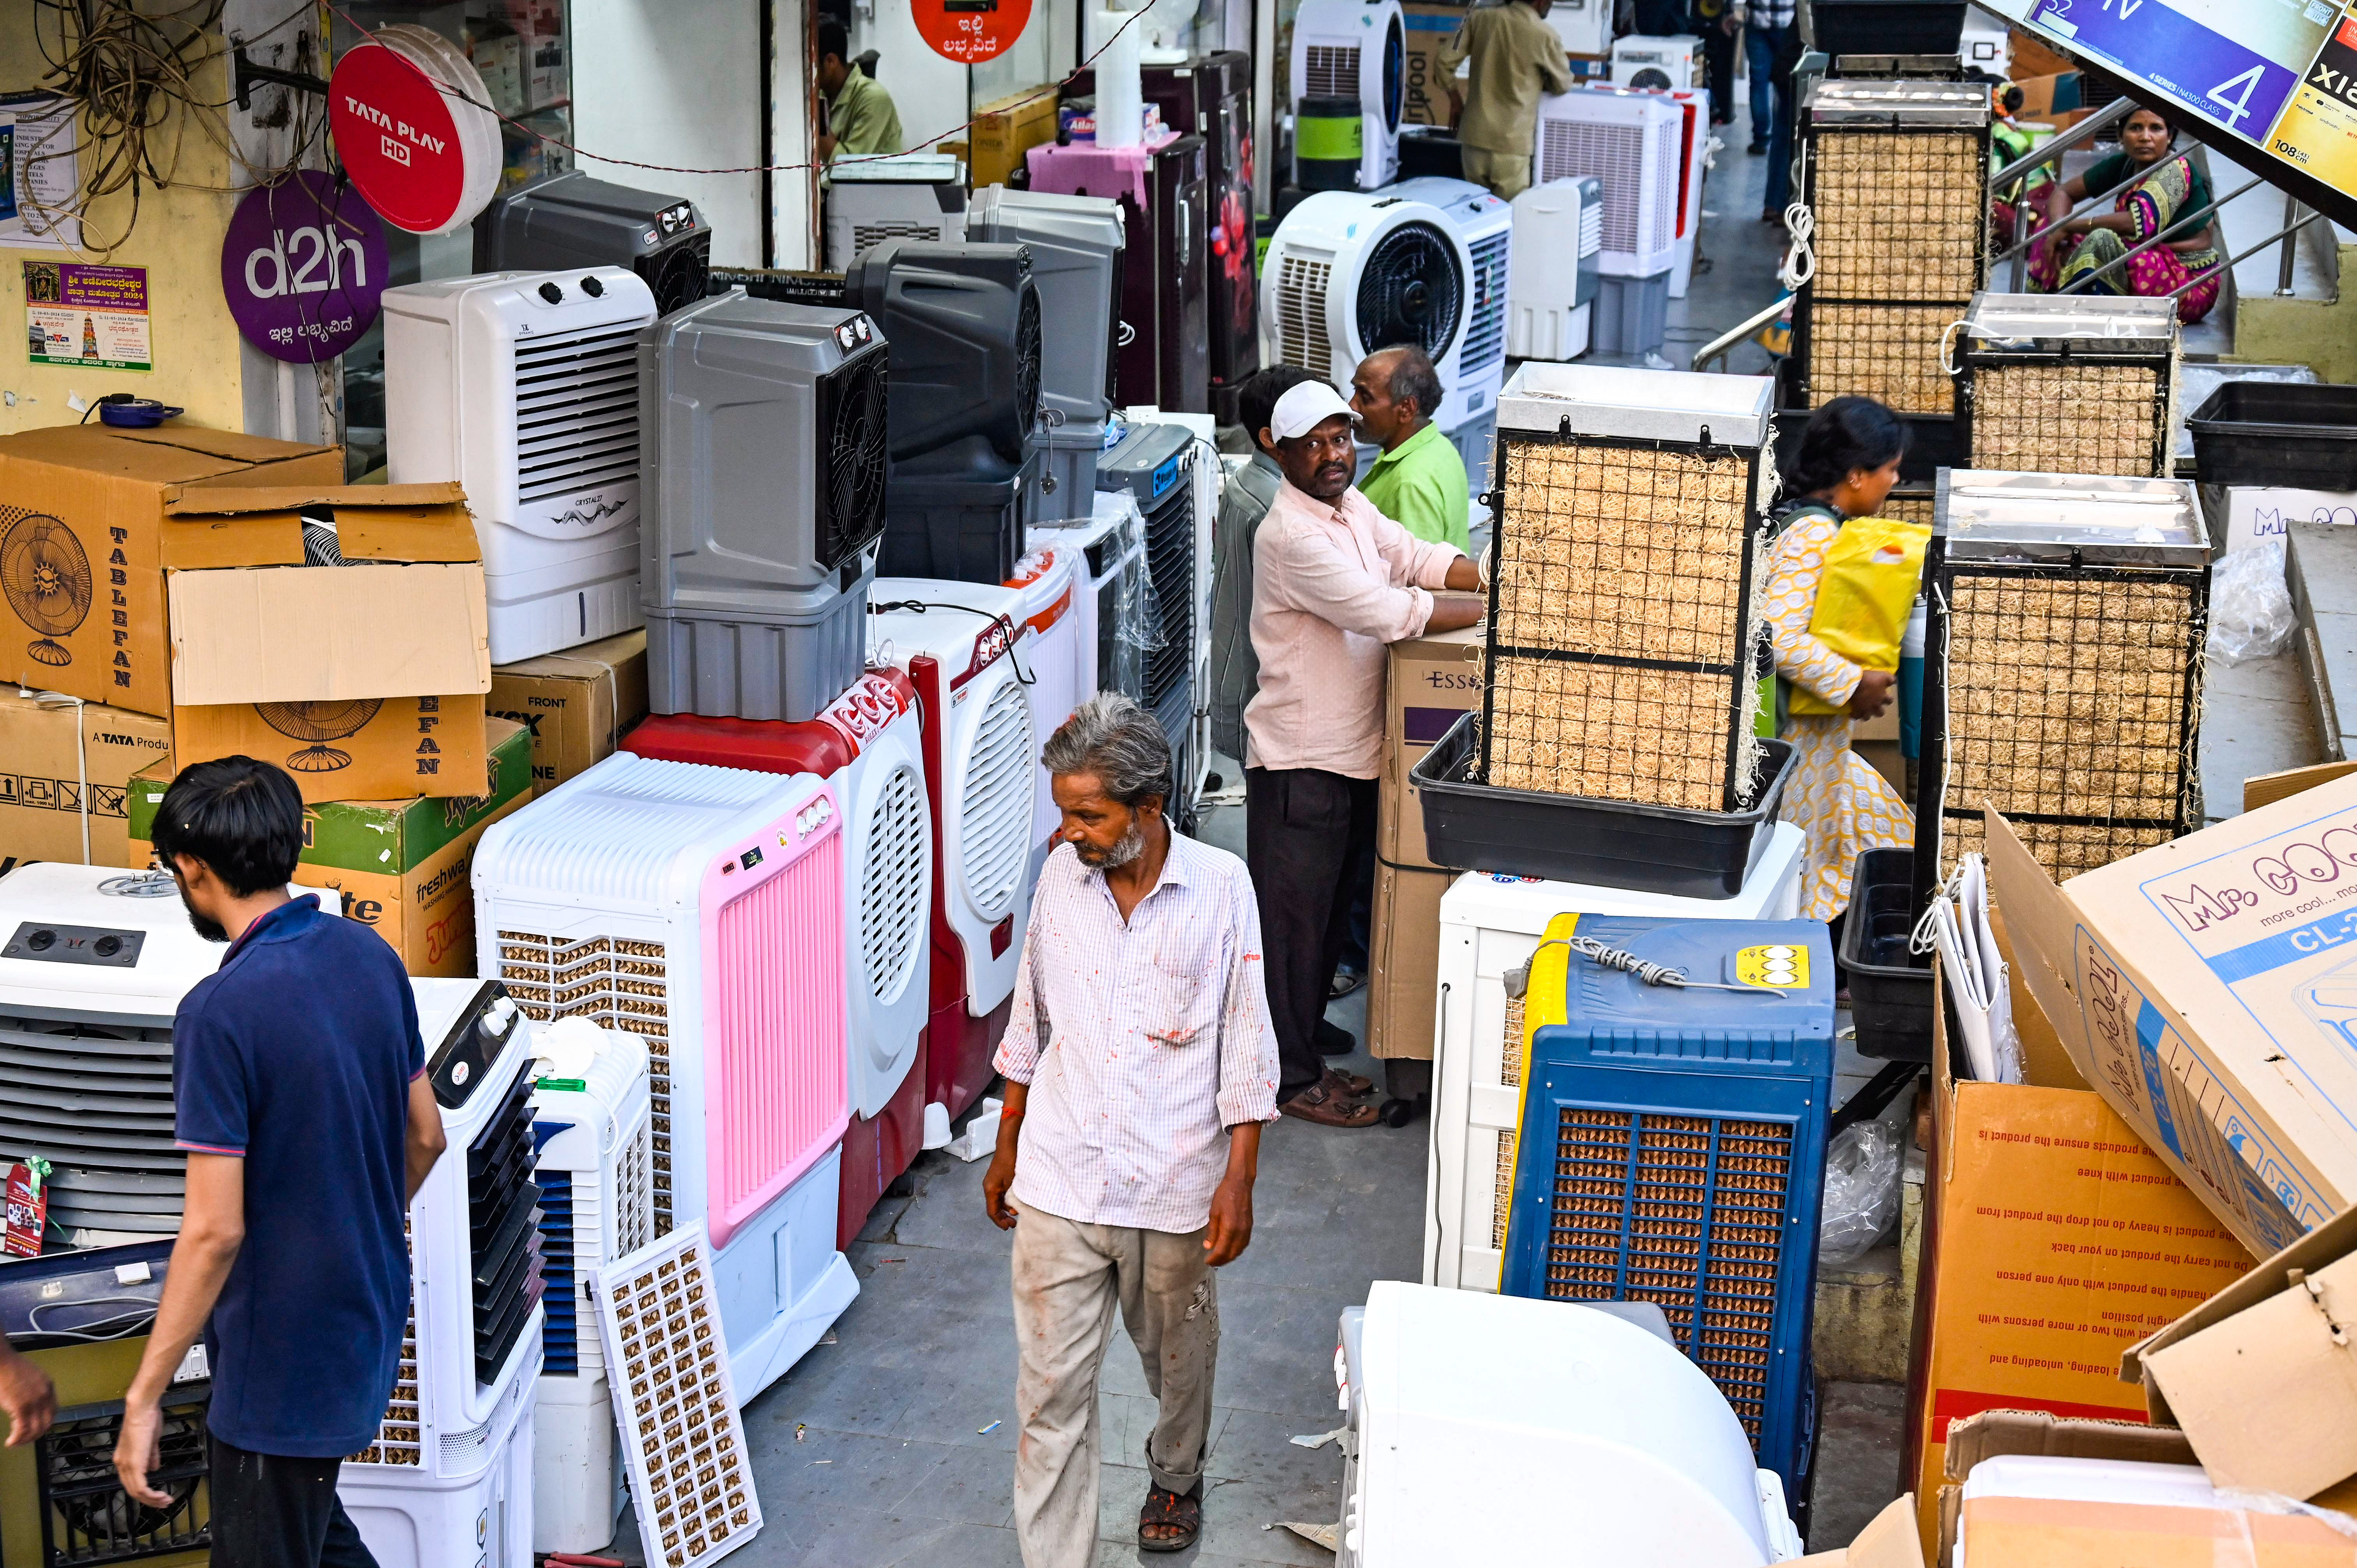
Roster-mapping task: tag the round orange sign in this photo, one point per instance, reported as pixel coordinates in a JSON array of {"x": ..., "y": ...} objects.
[{"x": 970, "y": 31}]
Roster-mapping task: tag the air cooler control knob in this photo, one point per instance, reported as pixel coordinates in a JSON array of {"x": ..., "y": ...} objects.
[
  {"x": 551, "y": 293},
  {"x": 595, "y": 288},
  {"x": 107, "y": 947},
  {"x": 499, "y": 1017},
  {"x": 42, "y": 941}
]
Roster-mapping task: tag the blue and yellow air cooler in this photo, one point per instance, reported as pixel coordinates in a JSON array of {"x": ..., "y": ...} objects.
[{"x": 1671, "y": 1147}]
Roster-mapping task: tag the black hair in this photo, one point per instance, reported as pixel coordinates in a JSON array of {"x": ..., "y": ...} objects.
[
  {"x": 1849, "y": 433},
  {"x": 2168, "y": 121},
  {"x": 243, "y": 818},
  {"x": 2013, "y": 98},
  {"x": 1256, "y": 400},
  {"x": 1413, "y": 376},
  {"x": 834, "y": 38}
]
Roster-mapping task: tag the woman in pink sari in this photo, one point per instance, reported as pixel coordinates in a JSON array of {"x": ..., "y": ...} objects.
[{"x": 2169, "y": 196}]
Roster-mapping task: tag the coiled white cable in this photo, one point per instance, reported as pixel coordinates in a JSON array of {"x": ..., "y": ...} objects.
[{"x": 1801, "y": 261}]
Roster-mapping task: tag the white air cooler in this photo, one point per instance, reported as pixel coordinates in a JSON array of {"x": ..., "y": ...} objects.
[
  {"x": 1548, "y": 305},
  {"x": 907, "y": 196},
  {"x": 524, "y": 387},
  {"x": 1356, "y": 49},
  {"x": 448, "y": 1478},
  {"x": 1491, "y": 923},
  {"x": 701, "y": 909}
]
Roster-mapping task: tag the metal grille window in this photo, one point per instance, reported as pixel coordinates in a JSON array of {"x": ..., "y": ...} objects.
[
  {"x": 86, "y": 1516},
  {"x": 577, "y": 413},
  {"x": 614, "y": 981}
]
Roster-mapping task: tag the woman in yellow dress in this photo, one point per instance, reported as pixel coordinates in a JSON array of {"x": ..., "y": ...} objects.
[{"x": 1848, "y": 461}]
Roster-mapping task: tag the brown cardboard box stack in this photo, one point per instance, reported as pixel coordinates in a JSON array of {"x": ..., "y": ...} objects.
[
  {"x": 161, "y": 610},
  {"x": 2189, "y": 1034}
]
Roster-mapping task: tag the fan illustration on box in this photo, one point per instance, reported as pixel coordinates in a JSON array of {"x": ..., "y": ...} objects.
[
  {"x": 46, "y": 574},
  {"x": 319, "y": 722}
]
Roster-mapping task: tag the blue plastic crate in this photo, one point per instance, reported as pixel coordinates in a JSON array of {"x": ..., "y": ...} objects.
[{"x": 1684, "y": 1152}]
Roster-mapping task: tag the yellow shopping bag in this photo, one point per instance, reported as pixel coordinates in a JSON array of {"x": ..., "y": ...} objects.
[{"x": 1872, "y": 574}]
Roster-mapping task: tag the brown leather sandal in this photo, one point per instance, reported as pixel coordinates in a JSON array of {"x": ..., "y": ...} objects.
[
  {"x": 1351, "y": 1083},
  {"x": 1322, "y": 1104},
  {"x": 1182, "y": 1518}
]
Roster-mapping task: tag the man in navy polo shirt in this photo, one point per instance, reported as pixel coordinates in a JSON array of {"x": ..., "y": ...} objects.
[{"x": 299, "y": 1093}]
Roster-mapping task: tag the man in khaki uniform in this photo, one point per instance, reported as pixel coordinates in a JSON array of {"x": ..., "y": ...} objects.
[
  {"x": 861, "y": 121},
  {"x": 1516, "y": 57}
]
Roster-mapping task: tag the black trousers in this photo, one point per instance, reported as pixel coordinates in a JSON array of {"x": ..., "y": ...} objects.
[
  {"x": 273, "y": 1512},
  {"x": 1306, "y": 834},
  {"x": 1718, "y": 67}
]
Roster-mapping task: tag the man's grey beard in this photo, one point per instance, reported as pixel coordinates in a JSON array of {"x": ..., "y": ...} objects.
[{"x": 1131, "y": 845}]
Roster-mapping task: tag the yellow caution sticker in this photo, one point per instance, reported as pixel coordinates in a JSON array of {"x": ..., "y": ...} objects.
[{"x": 1783, "y": 968}]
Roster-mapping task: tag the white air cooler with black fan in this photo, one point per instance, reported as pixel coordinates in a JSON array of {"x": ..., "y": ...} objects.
[
  {"x": 93, "y": 962},
  {"x": 571, "y": 221},
  {"x": 523, "y": 387},
  {"x": 449, "y": 1478},
  {"x": 1473, "y": 367},
  {"x": 700, "y": 909},
  {"x": 1656, "y": 64},
  {"x": 1356, "y": 49},
  {"x": 1633, "y": 144},
  {"x": 1548, "y": 305},
  {"x": 981, "y": 772},
  {"x": 593, "y": 1127},
  {"x": 765, "y": 497},
  {"x": 908, "y": 196}
]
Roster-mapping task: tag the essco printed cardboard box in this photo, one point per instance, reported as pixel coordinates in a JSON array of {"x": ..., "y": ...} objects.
[
  {"x": 403, "y": 866},
  {"x": 86, "y": 538},
  {"x": 1430, "y": 681},
  {"x": 2207, "y": 988},
  {"x": 365, "y": 681}
]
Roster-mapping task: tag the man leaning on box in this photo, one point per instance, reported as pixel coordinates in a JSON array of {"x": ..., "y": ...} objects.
[{"x": 1334, "y": 581}]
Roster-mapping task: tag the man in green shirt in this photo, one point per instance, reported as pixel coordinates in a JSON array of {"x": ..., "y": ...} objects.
[
  {"x": 860, "y": 118},
  {"x": 1419, "y": 481}
]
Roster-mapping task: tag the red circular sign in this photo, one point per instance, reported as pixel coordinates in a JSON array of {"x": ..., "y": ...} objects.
[
  {"x": 397, "y": 138},
  {"x": 970, "y": 31}
]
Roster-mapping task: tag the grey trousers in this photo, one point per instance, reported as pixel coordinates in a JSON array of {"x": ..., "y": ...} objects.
[{"x": 1067, "y": 1278}]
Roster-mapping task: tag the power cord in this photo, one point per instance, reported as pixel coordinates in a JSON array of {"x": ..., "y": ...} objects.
[{"x": 1014, "y": 632}]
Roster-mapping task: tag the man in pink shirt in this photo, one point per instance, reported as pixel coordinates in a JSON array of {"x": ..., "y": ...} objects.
[{"x": 1333, "y": 582}]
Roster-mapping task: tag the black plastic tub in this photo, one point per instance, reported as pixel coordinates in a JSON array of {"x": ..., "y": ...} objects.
[
  {"x": 2277, "y": 433},
  {"x": 1604, "y": 843},
  {"x": 1889, "y": 26},
  {"x": 1890, "y": 985}
]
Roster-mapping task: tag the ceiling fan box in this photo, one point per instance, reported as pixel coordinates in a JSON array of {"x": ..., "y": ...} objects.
[
  {"x": 110, "y": 489},
  {"x": 403, "y": 866},
  {"x": 252, "y": 627}
]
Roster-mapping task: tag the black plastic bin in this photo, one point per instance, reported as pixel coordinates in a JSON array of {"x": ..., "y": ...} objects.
[
  {"x": 1605, "y": 844},
  {"x": 966, "y": 530},
  {"x": 1889, "y": 26},
  {"x": 2303, "y": 435},
  {"x": 1890, "y": 985},
  {"x": 1430, "y": 150}
]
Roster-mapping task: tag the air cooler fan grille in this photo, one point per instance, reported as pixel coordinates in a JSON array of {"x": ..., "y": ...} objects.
[
  {"x": 852, "y": 437},
  {"x": 86, "y": 1516},
  {"x": 1394, "y": 74},
  {"x": 1411, "y": 290},
  {"x": 1026, "y": 358},
  {"x": 97, "y": 1099},
  {"x": 995, "y": 822},
  {"x": 576, "y": 416},
  {"x": 678, "y": 276},
  {"x": 891, "y": 883}
]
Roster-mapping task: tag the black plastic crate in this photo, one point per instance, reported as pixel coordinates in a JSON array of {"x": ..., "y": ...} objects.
[
  {"x": 2277, "y": 433},
  {"x": 1889, "y": 983},
  {"x": 1889, "y": 26},
  {"x": 1469, "y": 826}
]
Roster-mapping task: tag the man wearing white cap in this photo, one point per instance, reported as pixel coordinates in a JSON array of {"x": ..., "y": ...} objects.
[{"x": 1333, "y": 582}]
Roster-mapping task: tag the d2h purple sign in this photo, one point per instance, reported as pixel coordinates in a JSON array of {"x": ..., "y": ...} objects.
[{"x": 303, "y": 267}]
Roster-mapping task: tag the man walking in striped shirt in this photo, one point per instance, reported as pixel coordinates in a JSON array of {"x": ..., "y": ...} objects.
[{"x": 1140, "y": 1066}]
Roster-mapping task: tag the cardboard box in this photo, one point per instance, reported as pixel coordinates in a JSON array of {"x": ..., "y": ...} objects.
[
  {"x": 86, "y": 506},
  {"x": 366, "y": 682},
  {"x": 402, "y": 865},
  {"x": 376, "y": 749},
  {"x": 2046, "y": 95},
  {"x": 577, "y": 704},
  {"x": 1004, "y": 129},
  {"x": 2022, "y": 1532},
  {"x": 1888, "y": 1541},
  {"x": 1404, "y": 968},
  {"x": 2261, "y": 1377},
  {"x": 1430, "y": 680},
  {"x": 2052, "y": 1239},
  {"x": 2208, "y": 989},
  {"x": 2256, "y": 512},
  {"x": 63, "y": 767},
  {"x": 1429, "y": 101}
]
